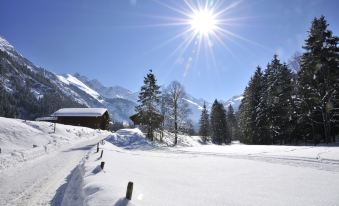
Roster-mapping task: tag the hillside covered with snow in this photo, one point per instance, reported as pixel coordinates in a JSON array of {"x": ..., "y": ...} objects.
[
  {"x": 22, "y": 140},
  {"x": 35, "y": 160}
]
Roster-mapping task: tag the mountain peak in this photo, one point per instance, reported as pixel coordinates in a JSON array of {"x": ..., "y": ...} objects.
[{"x": 5, "y": 45}]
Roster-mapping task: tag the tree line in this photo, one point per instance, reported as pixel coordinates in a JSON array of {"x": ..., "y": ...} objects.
[
  {"x": 167, "y": 109},
  {"x": 290, "y": 104}
]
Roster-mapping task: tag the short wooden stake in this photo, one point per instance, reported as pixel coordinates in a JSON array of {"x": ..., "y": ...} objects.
[
  {"x": 129, "y": 190},
  {"x": 102, "y": 165},
  {"x": 97, "y": 147},
  {"x": 102, "y": 152}
]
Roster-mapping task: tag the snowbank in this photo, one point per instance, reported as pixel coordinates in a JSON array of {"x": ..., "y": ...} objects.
[
  {"x": 22, "y": 140},
  {"x": 130, "y": 139},
  {"x": 207, "y": 175},
  {"x": 135, "y": 139},
  {"x": 183, "y": 140}
]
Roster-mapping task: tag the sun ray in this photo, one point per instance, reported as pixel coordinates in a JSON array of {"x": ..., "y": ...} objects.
[
  {"x": 171, "y": 8},
  {"x": 166, "y": 42},
  {"x": 207, "y": 25}
]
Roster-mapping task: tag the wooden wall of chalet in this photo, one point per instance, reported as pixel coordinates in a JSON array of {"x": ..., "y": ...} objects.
[{"x": 91, "y": 122}]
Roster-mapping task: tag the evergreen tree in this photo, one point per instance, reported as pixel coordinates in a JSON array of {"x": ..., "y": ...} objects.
[
  {"x": 232, "y": 123},
  {"x": 204, "y": 123},
  {"x": 296, "y": 129},
  {"x": 149, "y": 98},
  {"x": 278, "y": 82},
  {"x": 252, "y": 115},
  {"x": 218, "y": 124},
  {"x": 318, "y": 80}
]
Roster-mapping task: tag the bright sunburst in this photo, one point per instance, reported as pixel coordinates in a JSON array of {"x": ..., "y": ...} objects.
[
  {"x": 203, "y": 21},
  {"x": 206, "y": 24}
]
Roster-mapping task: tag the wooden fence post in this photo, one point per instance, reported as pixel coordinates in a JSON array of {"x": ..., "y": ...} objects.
[
  {"x": 102, "y": 165},
  {"x": 129, "y": 190},
  {"x": 98, "y": 147},
  {"x": 102, "y": 152}
]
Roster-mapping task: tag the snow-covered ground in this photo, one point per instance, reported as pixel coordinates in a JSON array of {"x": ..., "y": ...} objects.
[
  {"x": 205, "y": 174},
  {"x": 38, "y": 176},
  {"x": 63, "y": 169},
  {"x": 17, "y": 138}
]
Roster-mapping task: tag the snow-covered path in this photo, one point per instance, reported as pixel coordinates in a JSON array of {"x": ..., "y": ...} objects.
[{"x": 36, "y": 182}]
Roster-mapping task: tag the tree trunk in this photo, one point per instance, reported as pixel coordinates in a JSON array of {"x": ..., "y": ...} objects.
[
  {"x": 175, "y": 123},
  {"x": 325, "y": 125}
]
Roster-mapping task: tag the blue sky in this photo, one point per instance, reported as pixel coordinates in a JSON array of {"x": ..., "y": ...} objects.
[{"x": 118, "y": 41}]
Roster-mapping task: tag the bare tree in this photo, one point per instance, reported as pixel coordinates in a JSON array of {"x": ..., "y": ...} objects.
[
  {"x": 177, "y": 106},
  {"x": 294, "y": 62}
]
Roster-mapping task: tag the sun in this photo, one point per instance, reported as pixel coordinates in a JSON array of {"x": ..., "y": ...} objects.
[
  {"x": 203, "y": 21},
  {"x": 206, "y": 27}
]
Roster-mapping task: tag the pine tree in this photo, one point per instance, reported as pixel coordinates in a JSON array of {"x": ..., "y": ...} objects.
[
  {"x": 149, "y": 98},
  {"x": 218, "y": 124},
  {"x": 232, "y": 123},
  {"x": 252, "y": 114},
  {"x": 204, "y": 123},
  {"x": 318, "y": 80},
  {"x": 296, "y": 129},
  {"x": 278, "y": 80}
]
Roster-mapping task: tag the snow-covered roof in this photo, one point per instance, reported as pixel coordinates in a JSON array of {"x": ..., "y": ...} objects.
[
  {"x": 79, "y": 112},
  {"x": 46, "y": 119}
]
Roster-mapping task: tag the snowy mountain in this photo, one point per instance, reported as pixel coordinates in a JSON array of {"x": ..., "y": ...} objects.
[
  {"x": 235, "y": 101},
  {"x": 74, "y": 90},
  {"x": 108, "y": 92},
  {"x": 32, "y": 91},
  {"x": 28, "y": 91},
  {"x": 195, "y": 105},
  {"x": 120, "y": 108}
]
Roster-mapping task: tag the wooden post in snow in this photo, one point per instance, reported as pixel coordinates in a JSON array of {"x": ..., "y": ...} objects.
[
  {"x": 129, "y": 190},
  {"x": 102, "y": 152},
  {"x": 54, "y": 127},
  {"x": 98, "y": 147},
  {"x": 102, "y": 165}
]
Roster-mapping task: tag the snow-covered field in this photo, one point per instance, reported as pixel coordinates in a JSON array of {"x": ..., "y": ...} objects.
[
  {"x": 205, "y": 174},
  {"x": 63, "y": 169}
]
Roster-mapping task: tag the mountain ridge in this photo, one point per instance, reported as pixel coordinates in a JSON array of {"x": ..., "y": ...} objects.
[{"x": 82, "y": 90}]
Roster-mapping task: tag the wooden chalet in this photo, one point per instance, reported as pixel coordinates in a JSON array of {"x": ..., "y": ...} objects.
[{"x": 96, "y": 118}]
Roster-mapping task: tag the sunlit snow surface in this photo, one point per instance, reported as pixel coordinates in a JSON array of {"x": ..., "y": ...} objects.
[
  {"x": 73, "y": 80},
  {"x": 207, "y": 174},
  {"x": 17, "y": 138},
  {"x": 187, "y": 174}
]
